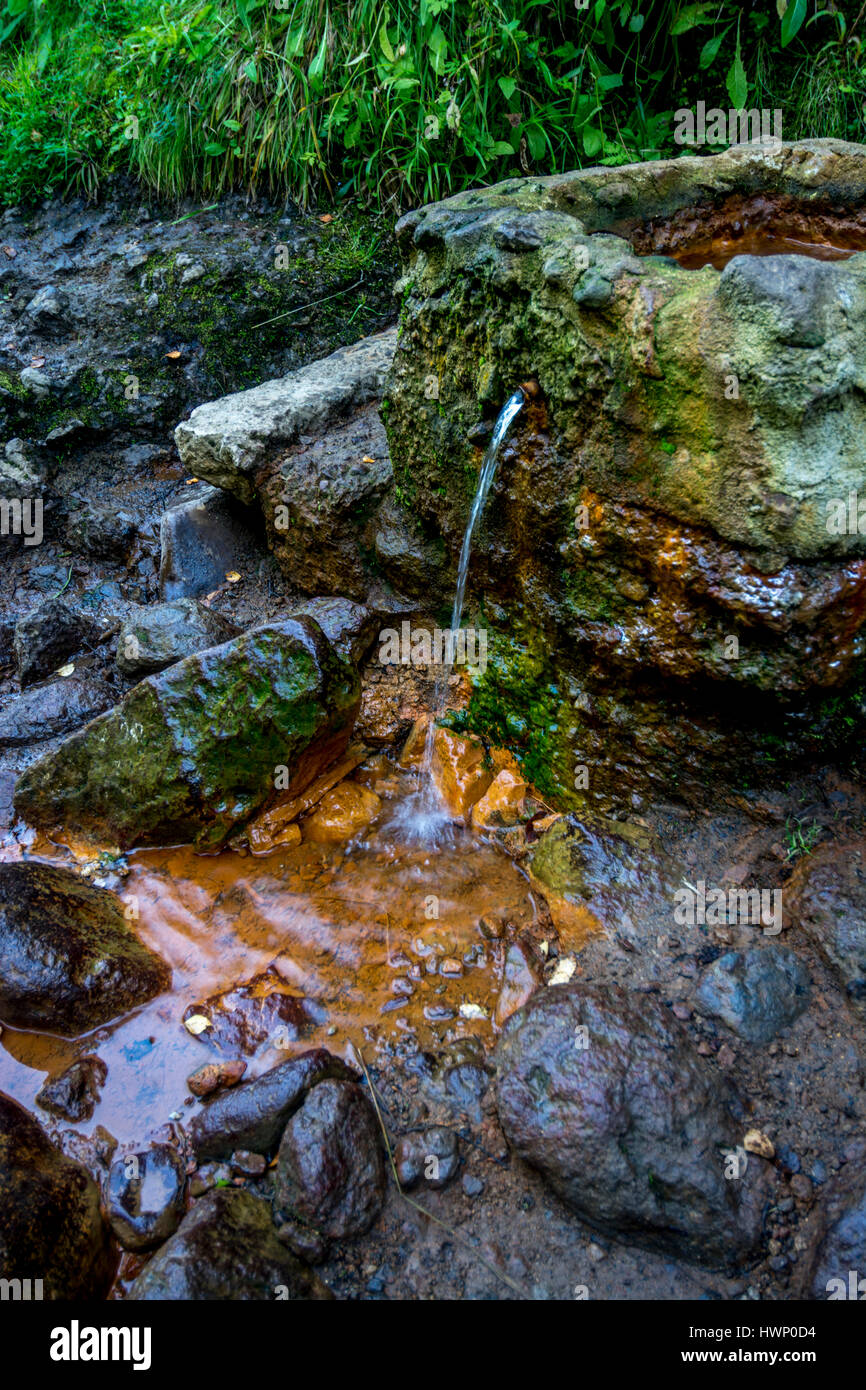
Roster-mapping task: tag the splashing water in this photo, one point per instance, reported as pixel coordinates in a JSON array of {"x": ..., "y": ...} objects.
[{"x": 424, "y": 813}]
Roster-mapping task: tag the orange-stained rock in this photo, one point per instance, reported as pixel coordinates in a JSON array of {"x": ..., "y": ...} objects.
[
  {"x": 341, "y": 813},
  {"x": 459, "y": 771},
  {"x": 274, "y": 828},
  {"x": 412, "y": 752},
  {"x": 504, "y": 760},
  {"x": 502, "y": 803},
  {"x": 520, "y": 979}
]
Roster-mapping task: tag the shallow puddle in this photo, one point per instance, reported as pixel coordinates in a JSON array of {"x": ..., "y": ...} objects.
[{"x": 377, "y": 943}]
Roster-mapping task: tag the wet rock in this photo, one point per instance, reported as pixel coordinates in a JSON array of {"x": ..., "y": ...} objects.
[
  {"x": 69, "y": 960},
  {"x": 834, "y": 1265},
  {"x": 104, "y": 532},
  {"x": 201, "y": 541},
  {"x": 431, "y": 1154},
  {"x": 276, "y": 826},
  {"x": 263, "y": 1012},
  {"x": 605, "y": 1096},
  {"x": 344, "y": 811},
  {"x": 756, "y": 992},
  {"x": 144, "y": 1196},
  {"x": 248, "y": 1165},
  {"x": 74, "y": 1094},
  {"x": 826, "y": 899},
  {"x": 47, "y": 310},
  {"x": 226, "y": 1249},
  {"x": 413, "y": 564},
  {"x": 520, "y": 980},
  {"x": 159, "y": 635},
  {"x": 59, "y": 707},
  {"x": 213, "y": 1075},
  {"x": 459, "y": 771},
  {"x": 50, "y": 1225},
  {"x": 303, "y": 1241},
  {"x": 349, "y": 627},
  {"x": 225, "y": 441},
  {"x": 319, "y": 501},
  {"x": 502, "y": 803},
  {"x": 47, "y": 636},
  {"x": 193, "y": 751},
  {"x": 330, "y": 1170},
  {"x": 254, "y": 1114}
]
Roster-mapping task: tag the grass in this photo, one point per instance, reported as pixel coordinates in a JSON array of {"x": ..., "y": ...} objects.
[{"x": 392, "y": 103}]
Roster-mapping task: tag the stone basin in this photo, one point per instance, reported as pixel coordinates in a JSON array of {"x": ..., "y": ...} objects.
[{"x": 679, "y": 588}]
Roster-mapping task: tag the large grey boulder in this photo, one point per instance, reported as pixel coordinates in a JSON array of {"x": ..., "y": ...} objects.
[
  {"x": 224, "y": 441},
  {"x": 603, "y": 1093}
]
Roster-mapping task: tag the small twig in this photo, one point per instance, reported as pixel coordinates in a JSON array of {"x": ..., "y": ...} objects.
[
  {"x": 488, "y": 1265},
  {"x": 312, "y": 304}
]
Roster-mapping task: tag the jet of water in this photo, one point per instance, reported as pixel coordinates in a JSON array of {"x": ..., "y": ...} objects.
[{"x": 429, "y": 811}]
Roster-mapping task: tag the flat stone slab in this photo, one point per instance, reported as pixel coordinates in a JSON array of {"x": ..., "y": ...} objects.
[{"x": 224, "y": 441}]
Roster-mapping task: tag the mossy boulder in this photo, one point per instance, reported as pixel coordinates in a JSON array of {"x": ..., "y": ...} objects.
[
  {"x": 663, "y": 541},
  {"x": 193, "y": 752}
]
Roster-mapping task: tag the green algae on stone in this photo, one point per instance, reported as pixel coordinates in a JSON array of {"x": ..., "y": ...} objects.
[{"x": 193, "y": 752}]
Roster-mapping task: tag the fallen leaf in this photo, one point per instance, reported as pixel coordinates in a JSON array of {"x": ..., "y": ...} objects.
[
  {"x": 367, "y": 459},
  {"x": 174, "y": 354},
  {"x": 326, "y": 217},
  {"x": 66, "y": 670},
  {"x": 192, "y": 480},
  {"x": 232, "y": 576},
  {"x": 565, "y": 968},
  {"x": 37, "y": 361},
  {"x": 472, "y": 1011},
  {"x": 197, "y": 1023},
  {"x": 756, "y": 1142}
]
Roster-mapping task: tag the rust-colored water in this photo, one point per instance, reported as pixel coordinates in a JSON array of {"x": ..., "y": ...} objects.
[
  {"x": 350, "y": 930},
  {"x": 756, "y": 242}
]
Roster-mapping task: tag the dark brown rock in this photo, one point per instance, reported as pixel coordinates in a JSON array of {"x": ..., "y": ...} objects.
[
  {"x": 73, "y": 1094},
  {"x": 226, "y": 1249},
  {"x": 604, "y": 1095},
  {"x": 254, "y": 1114},
  {"x": 68, "y": 960},
  {"x": 144, "y": 1196},
  {"x": 330, "y": 1171},
  {"x": 50, "y": 1225}
]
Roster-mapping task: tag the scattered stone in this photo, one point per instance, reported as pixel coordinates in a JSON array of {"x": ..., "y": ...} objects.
[
  {"x": 605, "y": 1096},
  {"x": 74, "y": 1094},
  {"x": 431, "y": 1154},
  {"x": 50, "y": 1225},
  {"x": 520, "y": 980},
  {"x": 59, "y": 707},
  {"x": 472, "y": 1186},
  {"x": 160, "y": 634},
  {"x": 330, "y": 1171},
  {"x": 226, "y": 1249},
  {"x": 502, "y": 804},
  {"x": 254, "y": 1114},
  {"x": 144, "y": 1196},
  {"x": 213, "y": 1075},
  {"x": 70, "y": 961},
  {"x": 262, "y": 1012},
  {"x": 756, "y": 992},
  {"x": 247, "y": 1164},
  {"x": 756, "y": 1142},
  {"x": 47, "y": 636},
  {"x": 202, "y": 540}
]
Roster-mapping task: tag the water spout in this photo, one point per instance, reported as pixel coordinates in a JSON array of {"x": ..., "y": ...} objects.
[{"x": 430, "y": 815}]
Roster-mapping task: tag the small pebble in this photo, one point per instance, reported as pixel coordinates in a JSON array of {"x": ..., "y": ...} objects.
[{"x": 472, "y": 1186}]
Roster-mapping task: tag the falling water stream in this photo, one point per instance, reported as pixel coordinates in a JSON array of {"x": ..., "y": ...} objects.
[{"x": 426, "y": 810}]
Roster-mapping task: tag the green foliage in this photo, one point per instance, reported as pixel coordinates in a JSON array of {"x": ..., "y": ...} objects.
[{"x": 396, "y": 103}]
